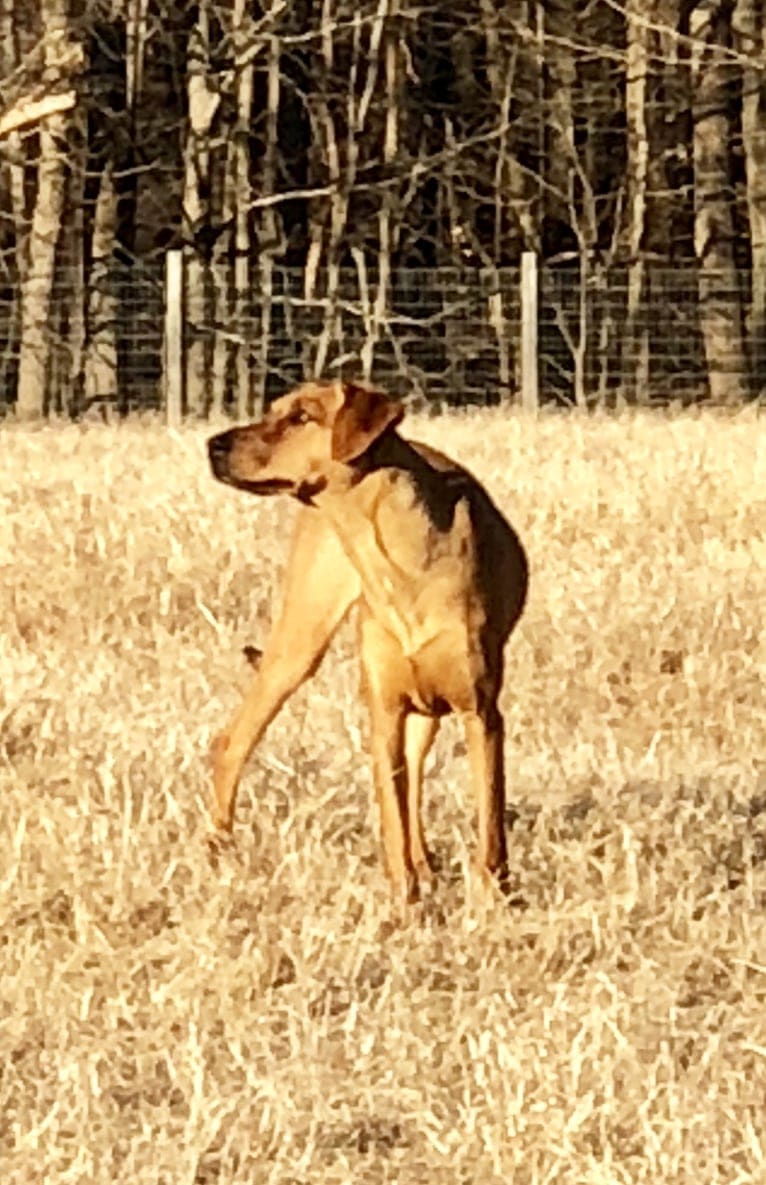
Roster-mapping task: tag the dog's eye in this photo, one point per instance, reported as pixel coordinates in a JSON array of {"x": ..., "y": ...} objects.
[{"x": 299, "y": 415}]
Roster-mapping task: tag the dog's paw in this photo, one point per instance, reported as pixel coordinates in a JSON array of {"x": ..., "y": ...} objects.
[
  {"x": 425, "y": 871},
  {"x": 219, "y": 844}
]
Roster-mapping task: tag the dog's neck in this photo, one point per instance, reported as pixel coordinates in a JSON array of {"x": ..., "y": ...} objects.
[{"x": 389, "y": 452}]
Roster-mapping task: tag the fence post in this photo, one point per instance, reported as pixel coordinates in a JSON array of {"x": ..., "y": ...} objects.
[
  {"x": 529, "y": 381},
  {"x": 173, "y": 370}
]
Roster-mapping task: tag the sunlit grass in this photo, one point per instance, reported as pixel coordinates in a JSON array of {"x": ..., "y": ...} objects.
[{"x": 163, "y": 1020}]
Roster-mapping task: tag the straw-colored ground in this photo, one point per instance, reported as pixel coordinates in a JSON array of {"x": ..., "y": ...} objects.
[{"x": 165, "y": 1021}]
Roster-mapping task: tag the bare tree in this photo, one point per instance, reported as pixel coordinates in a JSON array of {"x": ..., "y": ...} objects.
[
  {"x": 135, "y": 42},
  {"x": 636, "y": 352},
  {"x": 12, "y": 177},
  {"x": 560, "y": 92},
  {"x": 100, "y": 362},
  {"x": 719, "y": 296},
  {"x": 750, "y": 26},
  {"x": 59, "y": 50},
  {"x": 203, "y": 103},
  {"x": 269, "y": 237}
]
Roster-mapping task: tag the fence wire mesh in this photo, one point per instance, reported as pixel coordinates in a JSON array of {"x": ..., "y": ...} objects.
[{"x": 445, "y": 335}]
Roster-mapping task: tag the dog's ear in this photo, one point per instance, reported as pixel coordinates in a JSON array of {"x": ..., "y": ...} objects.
[{"x": 363, "y": 417}]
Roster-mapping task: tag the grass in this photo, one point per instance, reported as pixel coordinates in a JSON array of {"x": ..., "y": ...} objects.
[{"x": 166, "y": 1021}]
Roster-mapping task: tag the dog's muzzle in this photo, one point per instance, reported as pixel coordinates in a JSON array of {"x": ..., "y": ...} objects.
[{"x": 219, "y": 450}]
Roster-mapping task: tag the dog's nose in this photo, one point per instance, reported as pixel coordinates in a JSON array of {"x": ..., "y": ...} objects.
[{"x": 218, "y": 447}]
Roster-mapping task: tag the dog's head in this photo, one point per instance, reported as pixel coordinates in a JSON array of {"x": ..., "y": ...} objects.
[{"x": 306, "y": 440}]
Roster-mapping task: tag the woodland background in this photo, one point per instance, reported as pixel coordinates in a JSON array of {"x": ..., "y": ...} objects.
[{"x": 353, "y": 183}]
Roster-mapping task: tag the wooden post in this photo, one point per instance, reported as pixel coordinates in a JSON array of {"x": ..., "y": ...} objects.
[
  {"x": 173, "y": 371},
  {"x": 530, "y": 394}
]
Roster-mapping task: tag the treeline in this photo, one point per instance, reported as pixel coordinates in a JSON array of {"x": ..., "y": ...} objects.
[{"x": 348, "y": 142}]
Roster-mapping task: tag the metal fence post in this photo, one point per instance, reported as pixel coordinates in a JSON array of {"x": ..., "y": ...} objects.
[
  {"x": 530, "y": 393},
  {"x": 173, "y": 369}
]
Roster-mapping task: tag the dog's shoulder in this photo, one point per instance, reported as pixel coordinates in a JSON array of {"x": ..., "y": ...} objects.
[{"x": 415, "y": 480}]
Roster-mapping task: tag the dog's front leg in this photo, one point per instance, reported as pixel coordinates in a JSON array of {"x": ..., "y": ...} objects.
[
  {"x": 320, "y": 586},
  {"x": 419, "y": 733},
  {"x": 390, "y": 776},
  {"x": 384, "y": 678}
]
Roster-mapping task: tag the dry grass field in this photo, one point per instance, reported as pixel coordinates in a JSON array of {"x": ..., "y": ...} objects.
[{"x": 164, "y": 1020}]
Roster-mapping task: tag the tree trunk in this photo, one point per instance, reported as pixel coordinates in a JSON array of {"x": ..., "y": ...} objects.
[
  {"x": 718, "y": 283},
  {"x": 635, "y": 358},
  {"x": 668, "y": 129},
  {"x": 750, "y": 16},
  {"x": 375, "y": 310},
  {"x": 37, "y": 289},
  {"x": 135, "y": 37},
  {"x": 268, "y": 228},
  {"x": 514, "y": 228},
  {"x": 65, "y": 391},
  {"x": 338, "y": 177},
  {"x": 12, "y": 181},
  {"x": 242, "y": 242},
  {"x": 100, "y": 365},
  {"x": 560, "y": 83},
  {"x": 203, "y": 104}
]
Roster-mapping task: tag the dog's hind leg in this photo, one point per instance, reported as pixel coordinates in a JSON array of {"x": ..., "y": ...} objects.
[{"x": 484, "y": 734}]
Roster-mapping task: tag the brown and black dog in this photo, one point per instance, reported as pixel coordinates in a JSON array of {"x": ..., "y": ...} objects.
[{"x": 440, "y": 579}]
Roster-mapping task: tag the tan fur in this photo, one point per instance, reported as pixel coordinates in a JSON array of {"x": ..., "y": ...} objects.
[{"x": 440, "y": 580}]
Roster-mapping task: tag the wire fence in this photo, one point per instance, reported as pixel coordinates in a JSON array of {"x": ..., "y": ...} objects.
[{"x": 443, "y": 335}]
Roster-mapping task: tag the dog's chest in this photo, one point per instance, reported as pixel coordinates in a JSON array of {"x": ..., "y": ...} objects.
[{"x": 415, "y": 573}]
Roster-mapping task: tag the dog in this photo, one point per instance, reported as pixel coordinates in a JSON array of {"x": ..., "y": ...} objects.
[{"x": 440, "y": 580}]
